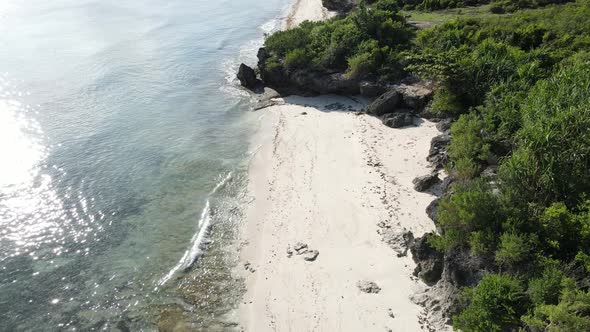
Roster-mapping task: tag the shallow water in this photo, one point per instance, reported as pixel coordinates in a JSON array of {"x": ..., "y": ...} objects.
[{"x": 118, "y": 120}]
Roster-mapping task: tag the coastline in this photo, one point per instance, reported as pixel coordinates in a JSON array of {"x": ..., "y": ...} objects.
[{"x": 339, "y": 182}]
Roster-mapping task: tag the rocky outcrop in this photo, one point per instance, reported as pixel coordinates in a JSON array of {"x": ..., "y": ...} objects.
[
  {"x": 303, "y": 81},
  {"x": 429, "y": 262},
  {"x": 398, "y": 240},
  {"x": 432, "y": 211},
  {"x": 444, "y": 126},
  {"x": 371, "y": 89},
  {"x": 425, "y": 182},
  {"x": 247, "y": 77},
  {"x": 413, "y": 97},
  {"x": 398, "y": 120}
]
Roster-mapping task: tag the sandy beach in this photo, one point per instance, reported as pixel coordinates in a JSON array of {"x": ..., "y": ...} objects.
[{"x": 335, "y": 180}]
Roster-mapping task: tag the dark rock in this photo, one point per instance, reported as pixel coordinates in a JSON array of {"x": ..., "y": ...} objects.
[
  {"x": 462, "y": 268},
  {"x": 447, "y": 184},
  {"x": 371, "y": 90},
  {"x": 305, "y": 82},
  {"x": 262, "y": 55},
  {"x": 423, "y": 183},
  {"x": 439, "y": 160},
  {"x": 311, "y": 255},
  {"x": 247, "y": 77},
  {"x": 338, "y": 5},
  {"x": 386, "y": 103},
  {"x": 432, "y": 210},
  {"x": 438, "y": 151},
  {"x": 429, "y": 261},
  {"x": 398, "y": 120},
  {"x": 439, "y": 143},
  {"x": 444, "y": 126},
  {"x": 368, "y": 287}
]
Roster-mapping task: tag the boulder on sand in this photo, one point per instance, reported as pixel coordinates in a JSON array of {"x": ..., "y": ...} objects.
[
  {"x": 247, "y": 77},
  {"x": 386, "y": 103}
]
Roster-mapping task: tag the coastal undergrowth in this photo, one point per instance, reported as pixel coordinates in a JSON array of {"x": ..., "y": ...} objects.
[{"x": 518, "y": 88}]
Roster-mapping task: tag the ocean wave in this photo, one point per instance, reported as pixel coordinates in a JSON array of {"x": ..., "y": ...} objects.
[{"x": 196, "y": 250}]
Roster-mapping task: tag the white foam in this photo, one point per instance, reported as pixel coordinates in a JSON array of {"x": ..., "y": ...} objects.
[{"x": 196, "y": 245}]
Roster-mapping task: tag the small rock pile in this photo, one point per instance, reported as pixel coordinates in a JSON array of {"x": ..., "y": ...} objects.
[{"x": 302, "y": 249}]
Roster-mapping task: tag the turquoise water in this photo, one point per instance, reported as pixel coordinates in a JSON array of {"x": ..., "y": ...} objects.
[{"x": 122, "y": 134}]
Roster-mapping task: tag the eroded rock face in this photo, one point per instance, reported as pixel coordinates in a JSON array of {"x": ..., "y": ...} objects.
[
  {"x": 429, "y": 262},
  {"x": 432, "y": 211},
  {"x": 398, "y": 240},
  {"x": 371, "y": 89},
  {"x": 247, "y": 77},
  {"x": 425, "y": 182}
]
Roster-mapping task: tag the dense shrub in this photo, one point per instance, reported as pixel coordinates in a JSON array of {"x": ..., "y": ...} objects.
[
  {"x": 364, "y": 43},
  {"x": 496, "y": 304}
]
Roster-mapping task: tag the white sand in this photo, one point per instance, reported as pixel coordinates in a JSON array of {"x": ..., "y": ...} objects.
[
  {"x": 313, "y": 179},
  {"x": 311, "y": 182},
  {"x": 306, "y": 10}
]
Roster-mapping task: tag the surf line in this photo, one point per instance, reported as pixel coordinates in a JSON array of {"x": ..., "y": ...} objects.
[{"x": 196, "y": 249}]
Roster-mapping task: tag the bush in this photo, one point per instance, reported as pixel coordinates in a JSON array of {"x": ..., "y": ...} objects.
[
  {"x": 473, "y": 208},
  {"x": 514, "y": 249},
  {"x": 496, "y": 304},
  {"x": 572, "y": 313}
]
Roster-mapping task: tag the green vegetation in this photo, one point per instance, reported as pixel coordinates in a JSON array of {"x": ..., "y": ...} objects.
[
  {"x": 365, "y": 43},
  {"x": 518, "y": 86}
]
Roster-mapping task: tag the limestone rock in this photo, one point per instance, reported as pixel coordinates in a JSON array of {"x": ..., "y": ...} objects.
[
  {"x": 369, "y": 287},
  {"x": 423, "y": 183}
]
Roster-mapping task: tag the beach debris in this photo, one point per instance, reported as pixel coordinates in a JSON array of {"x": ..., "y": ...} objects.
[
  {"x": 248, "y": 267},
  {"x": 300, "y": 248},
  {"x": 303, "y": 113},
  {"x": 369, "y": 287},
  {"x": 289, "y": 251},
  {"x": 390, "y": 313},
  {"x": 311, "y": 255}
]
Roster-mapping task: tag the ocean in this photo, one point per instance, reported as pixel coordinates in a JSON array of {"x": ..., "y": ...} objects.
[{"x": 124, "y": 144}]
